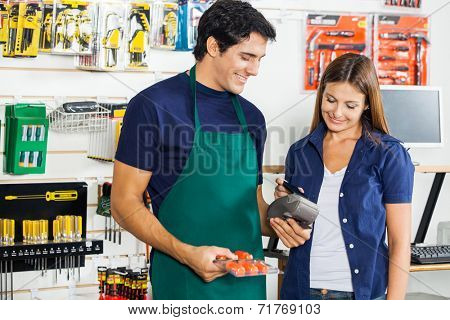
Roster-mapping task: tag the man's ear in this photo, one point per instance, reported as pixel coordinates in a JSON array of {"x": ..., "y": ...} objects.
[{"x": 212, "y": 47}]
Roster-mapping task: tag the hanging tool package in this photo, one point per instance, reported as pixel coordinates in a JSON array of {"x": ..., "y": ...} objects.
[
  {"x": 22, "y": 29},
  {"x": 108, "y": 46},
  {"x": 165, "y": 25},
  {"x": 329, "y": 36},
  {"x": 46, "y": 39},
  {"x": 74, "y": 27},
  {"x": 138, "y": 35},
  {"x": 401, "y": 49}
]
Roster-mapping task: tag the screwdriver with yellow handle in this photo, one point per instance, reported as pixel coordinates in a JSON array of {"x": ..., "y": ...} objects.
[
  {"x": 12, "y": 231},
  {"x": 35, "y": 237},
  {"x": 78, "y": 233},
  {"x": 25, "y": 231},
  {"x": 57, "y": 238},
  {"x": 63, "y": 195},
  {"x": 1, "y": 234}
]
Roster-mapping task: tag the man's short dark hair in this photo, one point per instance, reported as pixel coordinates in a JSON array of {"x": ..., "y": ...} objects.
[{"x": 230, "y": 22}]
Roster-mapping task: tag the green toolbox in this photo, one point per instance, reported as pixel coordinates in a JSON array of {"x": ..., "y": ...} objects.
[{"x": 26, "y": 134}]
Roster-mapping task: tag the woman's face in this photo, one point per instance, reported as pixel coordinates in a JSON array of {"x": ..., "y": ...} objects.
[{"x": 342, "y": 106}]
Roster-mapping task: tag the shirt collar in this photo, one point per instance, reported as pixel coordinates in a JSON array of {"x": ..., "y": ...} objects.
[{"x": 316, "y": 137}]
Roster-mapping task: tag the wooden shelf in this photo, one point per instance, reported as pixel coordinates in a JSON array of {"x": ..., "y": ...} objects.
[
  {"x": 421, "y": 169},
  {"x": 273, "y": 169},
  {"x": 433, "y": 169},
  {"x": 429, "y": 267}
]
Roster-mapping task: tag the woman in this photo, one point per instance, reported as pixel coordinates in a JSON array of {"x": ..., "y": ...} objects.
[{"x": 362, "y": 180}]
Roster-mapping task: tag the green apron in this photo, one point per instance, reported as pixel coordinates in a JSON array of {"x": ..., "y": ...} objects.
[{"x": 213, "y": 203}]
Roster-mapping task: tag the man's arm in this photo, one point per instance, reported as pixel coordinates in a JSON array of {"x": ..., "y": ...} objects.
[
  {"x": 266, "y": 229},
  {"x": 128, "y": 209},
  {"x": 398, "y": 220}
]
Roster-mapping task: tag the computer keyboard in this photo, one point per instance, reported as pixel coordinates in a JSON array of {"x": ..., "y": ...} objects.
[{"x": 430, "y": 254}]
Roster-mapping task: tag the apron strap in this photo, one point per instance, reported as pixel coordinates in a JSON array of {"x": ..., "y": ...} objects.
[{"x": 236, "y": 104}]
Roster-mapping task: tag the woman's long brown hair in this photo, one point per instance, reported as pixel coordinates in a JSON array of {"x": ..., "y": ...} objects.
[{"x": 358, "y": 71}]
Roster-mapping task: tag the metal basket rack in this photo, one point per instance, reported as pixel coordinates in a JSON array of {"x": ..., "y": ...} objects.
[{"x": 95, "y": 119}]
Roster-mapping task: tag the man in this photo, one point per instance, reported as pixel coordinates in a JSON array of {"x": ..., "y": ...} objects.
[{"x": 197, "y": 146}]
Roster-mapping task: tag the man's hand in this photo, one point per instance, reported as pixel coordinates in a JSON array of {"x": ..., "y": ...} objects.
[
  {"x": 200, "y": 260},
  {"x": 289, "y": 231}
]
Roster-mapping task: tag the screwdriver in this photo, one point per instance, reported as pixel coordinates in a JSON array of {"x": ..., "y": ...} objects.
[
  {"x": 79, "y": 232},
  {"x": 1, "y": 232},
  {"x": 35, "y": 237},
  {"x": 12, "y": 232},
  {"x": 43, "y": 230},
  {"x": 56, "y": 238}
]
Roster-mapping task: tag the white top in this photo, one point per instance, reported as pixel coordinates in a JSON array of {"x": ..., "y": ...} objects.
[{"x": 329, "y": 264}]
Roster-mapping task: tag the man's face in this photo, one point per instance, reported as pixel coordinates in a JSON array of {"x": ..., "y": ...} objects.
[{"x": 234, "y": 66}]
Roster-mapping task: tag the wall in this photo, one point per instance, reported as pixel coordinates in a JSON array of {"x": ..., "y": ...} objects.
[{"x": 275, "y": 91}]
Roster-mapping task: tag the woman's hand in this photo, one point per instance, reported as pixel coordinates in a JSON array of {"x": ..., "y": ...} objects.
[
  {"x": 281, "y": 191},
  {"x": 289, "y": 231}
]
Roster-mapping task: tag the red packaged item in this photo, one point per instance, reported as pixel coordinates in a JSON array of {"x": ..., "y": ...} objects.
[
  {"x": 245, "y": 267},
  {"x": 250, "y": 267},
  {"x": 328, "y": 37},
  {"x": 262, "y": 267},
  {"x": 235, "y": 268},
  {"x": 242, "y": 255},
  {"x": 400, "y": 49}
]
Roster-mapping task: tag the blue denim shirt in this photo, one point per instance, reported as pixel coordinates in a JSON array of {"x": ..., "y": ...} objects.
[{"x": 378, "y": 173}]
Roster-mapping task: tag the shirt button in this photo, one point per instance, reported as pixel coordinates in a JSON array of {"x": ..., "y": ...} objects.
[
  {"x": 341, "y": 194},
  {"x": 356, "y": 271},
  {"x": 351, "y": 246},
  {"x": 344, "y": 220}
]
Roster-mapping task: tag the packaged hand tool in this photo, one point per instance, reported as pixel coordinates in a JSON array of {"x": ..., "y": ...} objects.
[
  {"x": 329, "y": 36},
  {"x": 3, "y": 22},
  {"x": 405, "y": 40},
  {"x": 26, "y": 135},
  {"x": 28, "y": 29},
  {"x": 190, "y": 12},
  {"x": 165, "y": 24},
  {"x": 46, "y": 37},
  {"x": 245, "y": 266},
  {"x": 74, "y": 27},
  {"x": 9, "y": 48},
  {"x": 137, "y": 35},
  {"x": 109, "y": 50},
  {"x": 122, "y": 284},
  {"x": 104, "y": 209},
  {"x": 415, "y": 4}
]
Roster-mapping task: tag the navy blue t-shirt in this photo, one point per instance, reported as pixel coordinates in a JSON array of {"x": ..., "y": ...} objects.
[{"x": 158, "y": 129}]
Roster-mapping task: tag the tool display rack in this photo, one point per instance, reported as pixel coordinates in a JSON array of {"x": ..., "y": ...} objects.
[{"x": 49, "y": 255}]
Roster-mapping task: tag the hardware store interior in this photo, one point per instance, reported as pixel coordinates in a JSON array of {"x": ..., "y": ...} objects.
[{"x": 69, "y": 68}]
